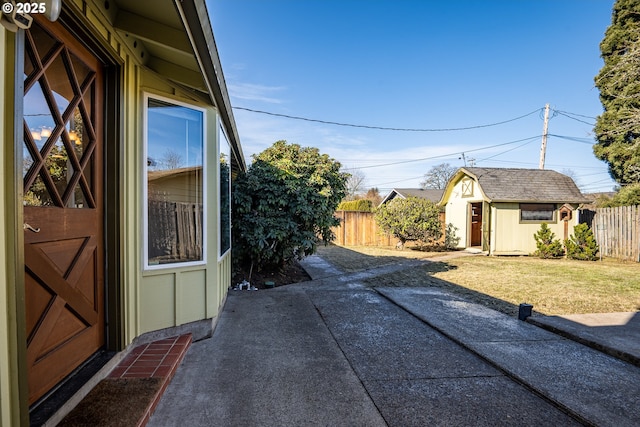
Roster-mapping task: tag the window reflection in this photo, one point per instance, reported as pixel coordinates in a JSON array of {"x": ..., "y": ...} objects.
[
  {"x": 58, "y": 125},
  {"x": 174, "y": 164},
  {"x": 225, "y": 193}
]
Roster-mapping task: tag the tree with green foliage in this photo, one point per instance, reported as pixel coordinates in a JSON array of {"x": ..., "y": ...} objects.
[
  {"x": 628, "y": 195},
  {"x": 284, "y": 205},
  {"x": 582, "y": 244},
  {"x": 546, "y": 243},
  {"x": 618, "y": 128},
  {"x": 410, "y": 219}
]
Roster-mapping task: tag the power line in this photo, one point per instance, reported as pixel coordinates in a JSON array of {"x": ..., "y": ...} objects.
[
  {"x": 385, "y": 128},
  {"x": 570, "y": 116},
  {"x": 575, "y": 114},
  {"x": 506, "y": 151},
  {"x": 443, "y": 155},
  {"x": 575, "y": 138}
]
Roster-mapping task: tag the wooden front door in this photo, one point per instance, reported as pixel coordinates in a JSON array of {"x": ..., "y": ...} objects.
[
  {"x": 476, "y": 224},
  {"x": 63, "y": 205}
]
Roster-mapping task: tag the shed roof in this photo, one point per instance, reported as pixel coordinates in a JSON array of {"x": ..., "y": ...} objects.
[{"x": 525, "y": 185}]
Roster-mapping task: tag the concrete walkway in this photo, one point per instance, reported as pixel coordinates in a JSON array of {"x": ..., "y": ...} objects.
[{"x": 332, "y": 352}]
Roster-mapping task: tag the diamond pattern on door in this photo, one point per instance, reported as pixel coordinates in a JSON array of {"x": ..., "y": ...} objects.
[{"x": 63, "y": 191}]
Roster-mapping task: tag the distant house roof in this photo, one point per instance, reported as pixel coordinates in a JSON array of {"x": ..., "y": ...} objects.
[
  {"x": 429, "y": 194},
  {"x": 524, "y": 185}
]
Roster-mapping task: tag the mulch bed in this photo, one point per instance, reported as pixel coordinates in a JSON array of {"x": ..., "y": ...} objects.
[
  {"x": 290, "y": 273},
  {"x": 114, "y": 403}
]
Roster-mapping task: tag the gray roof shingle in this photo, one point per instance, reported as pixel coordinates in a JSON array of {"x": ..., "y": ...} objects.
[{"x": 526, "y": 185}]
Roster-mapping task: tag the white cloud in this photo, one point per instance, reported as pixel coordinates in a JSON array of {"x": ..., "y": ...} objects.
[{"x": 255, "y": 92}]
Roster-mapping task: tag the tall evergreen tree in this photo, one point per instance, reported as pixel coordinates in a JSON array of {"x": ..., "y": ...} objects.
[{"x": 618, "y": 128}]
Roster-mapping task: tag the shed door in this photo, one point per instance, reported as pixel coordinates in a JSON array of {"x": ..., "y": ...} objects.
[
  {"x": 63, "y": 206},
  {"x": 476, "y": 224}
]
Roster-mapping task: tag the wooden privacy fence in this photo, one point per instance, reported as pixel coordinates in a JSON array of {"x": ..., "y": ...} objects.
[
  {"x": 617, "y": 231},
  {"x": 175, "y": 231},
  {"x": 361, "y": 229}
]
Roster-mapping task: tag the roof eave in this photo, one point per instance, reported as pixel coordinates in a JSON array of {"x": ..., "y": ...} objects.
[
  {"x": 537, "y": 201},
  {"x": 196, "y": 21}
]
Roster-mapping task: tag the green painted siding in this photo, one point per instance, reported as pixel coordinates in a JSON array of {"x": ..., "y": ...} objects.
[
  {"x": 513, "y": 237},
  {"x": 157, "y": 302},
  {"x": 149, "y": 300}
]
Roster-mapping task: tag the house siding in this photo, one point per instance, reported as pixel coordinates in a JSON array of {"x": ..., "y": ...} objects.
[
  {"x": 512, "y": 237},
  {"x": 457, "y": 210},
  {"x": 149, "y": 300},
  {"x": 184, "y": 300}
]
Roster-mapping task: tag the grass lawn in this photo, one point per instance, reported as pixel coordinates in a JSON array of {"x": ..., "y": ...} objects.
[{"x": 552, "y": 286}]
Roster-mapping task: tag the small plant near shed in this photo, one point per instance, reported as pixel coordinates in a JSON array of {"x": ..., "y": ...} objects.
[
  {"x": 451, "y": 240},
  {"x": 582, "y": 244},
  {"x": 548, "y": 246}
]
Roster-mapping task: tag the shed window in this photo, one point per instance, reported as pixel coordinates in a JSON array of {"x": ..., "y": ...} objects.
[
  {"x": 174, "y": 183},
  {"x": 537, "y": 212},
  {"x": 467, "y": 188}
]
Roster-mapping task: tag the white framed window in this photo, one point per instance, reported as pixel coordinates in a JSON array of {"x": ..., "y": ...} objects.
[
  {"x": 224, "y": 194},
  {"x": 174, "y": 183}
]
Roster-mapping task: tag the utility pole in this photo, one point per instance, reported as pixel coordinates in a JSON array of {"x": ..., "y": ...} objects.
[{"x": 543, "y": 148}]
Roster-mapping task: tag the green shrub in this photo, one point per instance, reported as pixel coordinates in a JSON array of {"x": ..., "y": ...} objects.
[
  {"x": 548, "y": 246},
  {"x": 284, "y": 205},
  {"x": 362, "y": 205},
  {"x": 451, "y": 240},
  {"x": 410, "y": 219},
  {"x": 626, "y": 196},
  {"x": 582, "y": 244}
]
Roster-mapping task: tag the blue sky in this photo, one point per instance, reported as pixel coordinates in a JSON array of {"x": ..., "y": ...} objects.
[{"x": 414, "y": 64}]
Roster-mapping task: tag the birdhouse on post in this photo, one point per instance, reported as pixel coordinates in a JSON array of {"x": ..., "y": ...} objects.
[{"x": 566, "y": 213}]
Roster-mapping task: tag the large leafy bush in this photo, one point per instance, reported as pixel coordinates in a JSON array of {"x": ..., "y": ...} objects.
[
  {"x": 284, "y": 205},
  {"x": 410, "y": 219}
]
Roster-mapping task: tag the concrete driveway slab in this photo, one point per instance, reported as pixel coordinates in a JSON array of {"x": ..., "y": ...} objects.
[
  {"x": 593, "y": 385},
  {"x": 383, "y": 341},
  {"x": 417, "y": 376},
  {"x": 477, "y": 401},
  {"x": 466, "y": 320},
  {"x": 270, "y": 362}
]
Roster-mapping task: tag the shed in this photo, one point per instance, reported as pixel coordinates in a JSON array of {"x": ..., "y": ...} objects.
[{"x": 498, "y": 210}]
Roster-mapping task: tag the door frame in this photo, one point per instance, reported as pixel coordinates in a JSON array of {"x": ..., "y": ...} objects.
[
  {"x": 470, "y": 222},
  {"x": 73, "y": 21}
]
